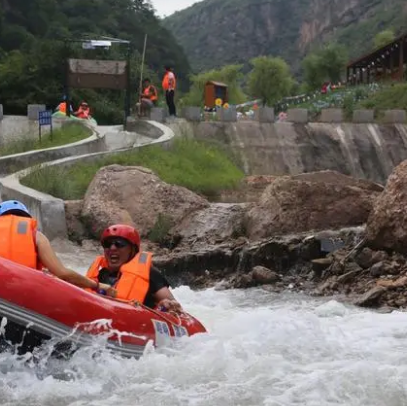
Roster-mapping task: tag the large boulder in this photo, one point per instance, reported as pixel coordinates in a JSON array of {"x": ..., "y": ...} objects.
[
  {"x": 387, "y": 224},
  {"x": 136, "y": 196},
  {"x": 215, "y": 224},
  {"x": 250, "y": 189},
  {"x": 76, "y": 229},
  {"x": 312, "y": 201}
]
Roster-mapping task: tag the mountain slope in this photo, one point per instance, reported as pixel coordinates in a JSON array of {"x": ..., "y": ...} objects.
[{"x": 218, "y": 32}]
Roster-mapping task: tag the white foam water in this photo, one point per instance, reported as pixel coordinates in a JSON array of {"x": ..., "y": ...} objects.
[{"x": 262, "y": 349}]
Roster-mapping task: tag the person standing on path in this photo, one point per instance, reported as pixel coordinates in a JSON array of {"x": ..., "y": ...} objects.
[{"x": 169, "y": 84}]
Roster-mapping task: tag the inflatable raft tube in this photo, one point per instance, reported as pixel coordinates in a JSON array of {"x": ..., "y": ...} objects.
[
  {"x": 35, "y": 306},
  {"x": 90, "y": 121}
]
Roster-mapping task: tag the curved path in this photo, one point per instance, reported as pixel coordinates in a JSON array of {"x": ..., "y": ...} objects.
[{"x": 106, "y": 140}]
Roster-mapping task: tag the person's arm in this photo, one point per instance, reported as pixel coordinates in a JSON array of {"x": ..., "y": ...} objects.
[
  {"x": 50, "y": 261},
  {"x": 161, "y": 291},
  {"x": 171, "y": 80}
]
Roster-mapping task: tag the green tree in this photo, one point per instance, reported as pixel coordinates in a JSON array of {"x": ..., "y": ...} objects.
[
  {"x": 270, "y": 79},
  {"x": 325, "y": 64},
  {"x": 383, "y": 38},
  {"x": 230, "y": 75},
  {"x": 313, "y": 72}
]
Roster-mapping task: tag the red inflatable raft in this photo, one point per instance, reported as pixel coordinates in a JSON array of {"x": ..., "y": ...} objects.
[{"x": 36, "y": 306}]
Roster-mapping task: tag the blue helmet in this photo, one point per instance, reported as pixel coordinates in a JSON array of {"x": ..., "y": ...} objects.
[{"x": 14, "y": 207}]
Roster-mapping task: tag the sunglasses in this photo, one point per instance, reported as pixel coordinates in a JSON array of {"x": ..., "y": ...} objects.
[{"x": 117, "y": 243}]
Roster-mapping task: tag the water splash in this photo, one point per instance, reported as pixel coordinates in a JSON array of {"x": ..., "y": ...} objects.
[
  {"x": 103, "y": 329},
  {"x": 263, "y": 349}
]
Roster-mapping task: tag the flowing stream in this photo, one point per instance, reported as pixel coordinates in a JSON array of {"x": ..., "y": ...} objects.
[{"x": 262, "y": 349}]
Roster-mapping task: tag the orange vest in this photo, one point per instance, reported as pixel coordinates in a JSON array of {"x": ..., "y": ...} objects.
[
  {"x": 150, "y": 92},
  {"x": 62, "y": 107},
  {"x": 17, "y": 240},
  {"x": 134, "y": 281},
  {"x": 166, "y": 82}
]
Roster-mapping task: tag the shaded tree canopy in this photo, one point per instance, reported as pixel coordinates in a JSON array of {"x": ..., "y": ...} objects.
[
  {"x": 328, "y": 63},
  {"x": 383, "y": 38},
  {"x": 270, "y": 79}
]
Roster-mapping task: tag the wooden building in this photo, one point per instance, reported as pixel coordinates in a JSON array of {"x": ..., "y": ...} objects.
[
  {"x": 215, "y": 90},
  {"x": 385, "y": 63}
]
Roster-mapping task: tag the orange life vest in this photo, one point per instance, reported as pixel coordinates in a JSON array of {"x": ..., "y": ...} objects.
[
  {"x": 134, "y": 281},
  {"x": 150, "y": 92},
  {"x": 62, "y": 107},
  {"x": 166, "y": 82},
  {"x": 17, "y": 240}
]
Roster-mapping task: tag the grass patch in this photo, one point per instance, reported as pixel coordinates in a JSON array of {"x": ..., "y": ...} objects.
[
  {"x": 391, "y": 97},
  {"x": 196, "y": 165},
  {"x": 67, "y": 134}
]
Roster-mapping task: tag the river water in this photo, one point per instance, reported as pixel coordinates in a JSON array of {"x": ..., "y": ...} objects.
[{"x": 262, "y": 349}]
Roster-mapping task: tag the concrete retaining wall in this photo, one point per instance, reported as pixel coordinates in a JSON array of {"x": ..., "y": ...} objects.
[
  {"x": 363, "y": 116},
  {"x": 264, "y": 115},
  {"x": 192, "y": 113},
  {"x": 331, "y": 116},
  {"x": 228, "y": 115},
  {"x": 13, "y": 128},
  {"x": 395, "y": 116},
  {"x": 50, "y": 211},
  {"x": 17, "y": 127},
  {"x": 12, "y": 163},
  {"x": 297, "y": 115},
  {"x": 294, "y": 115}
]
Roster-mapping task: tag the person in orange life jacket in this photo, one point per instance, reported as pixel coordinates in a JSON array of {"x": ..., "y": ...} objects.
[
  {"x": 21, "y": 242},
  {"x": 169, "y": 85},
  {"x": 83, "y": 111},
  {"x": 150, "y": 93},
  {"x": 62, "y": 107},
  {"x": 130, "y": 271},
  {"x": 149, "y": 96}
]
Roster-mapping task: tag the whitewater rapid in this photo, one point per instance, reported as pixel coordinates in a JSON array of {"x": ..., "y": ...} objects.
[{"x": 262, "y": 349}]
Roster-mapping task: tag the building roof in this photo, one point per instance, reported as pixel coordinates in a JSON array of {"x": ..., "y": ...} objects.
[
  {"x": 212, "y": 82},
  {"x": 378, "y": 53}
]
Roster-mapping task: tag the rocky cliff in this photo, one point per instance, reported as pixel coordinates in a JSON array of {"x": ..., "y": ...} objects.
[{"x": 215, "y": 33}]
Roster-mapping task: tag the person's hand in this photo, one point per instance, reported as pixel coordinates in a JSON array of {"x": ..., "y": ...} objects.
[
  {"x": 112, "y": 292},
  {"x": 171, "y": 305}
]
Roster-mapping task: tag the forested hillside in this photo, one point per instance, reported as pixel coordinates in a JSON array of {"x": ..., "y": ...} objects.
[
  {"x": 32, "y": 54},
  {"x": 220, "y": 32}
]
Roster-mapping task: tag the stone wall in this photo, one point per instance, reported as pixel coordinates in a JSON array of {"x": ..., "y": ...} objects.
[{"x": 294, "y": 115}]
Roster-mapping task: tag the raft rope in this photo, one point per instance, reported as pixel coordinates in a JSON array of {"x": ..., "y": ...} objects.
[{"x": 160, "y": 314}]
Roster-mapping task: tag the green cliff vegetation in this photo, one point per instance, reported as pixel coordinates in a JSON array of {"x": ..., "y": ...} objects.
[
  {"x": 270, "y": 79},
  {"x": 230, "y": 75},
  {"x": 32, "y": 54},
  {"x": 216, "y": 33},
  {"x": 390, "y": 97},
  {"x": 201, "y": 167}
]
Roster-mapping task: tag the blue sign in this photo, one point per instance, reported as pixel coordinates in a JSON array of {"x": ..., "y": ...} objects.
[{"x": 45, "y": 117}]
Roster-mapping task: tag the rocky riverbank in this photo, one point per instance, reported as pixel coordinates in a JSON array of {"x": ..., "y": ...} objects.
[{"x": 277, "y": 240}]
